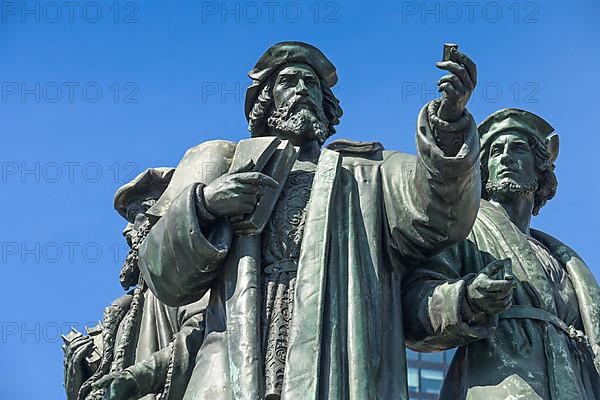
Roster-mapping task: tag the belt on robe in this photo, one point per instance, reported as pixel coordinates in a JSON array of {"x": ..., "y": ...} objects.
[
  {"x": 288, "y": 265},
  {"x": 538, "y": 314}
]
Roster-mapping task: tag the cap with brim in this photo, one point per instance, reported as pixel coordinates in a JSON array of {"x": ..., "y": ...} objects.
[
  {"x": 149, "y": 184},
  {"x": 514, "y": 119},
  {"x": 287, "y": 53}
]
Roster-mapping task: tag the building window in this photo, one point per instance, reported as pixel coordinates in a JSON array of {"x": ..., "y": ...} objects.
[
  {"x": 426, "y": 373},
  {"x": 412, "y": 355},
  {"x": 431, "y": 380},
  {"x": 413, "y": 379},
  {"x": 433, "y": 357},
  {"x": 448, "y": 354}
]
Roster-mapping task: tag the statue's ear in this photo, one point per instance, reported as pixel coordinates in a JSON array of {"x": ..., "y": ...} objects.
[{"x": 553, "y": 145}]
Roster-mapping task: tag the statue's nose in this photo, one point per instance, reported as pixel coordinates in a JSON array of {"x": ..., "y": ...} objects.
[
  {"x": 505, "y": 158},
  {"x": 139, "y": 221},
  {"x": 301, "y": 88},
  {"x": 128, "y": 228}
]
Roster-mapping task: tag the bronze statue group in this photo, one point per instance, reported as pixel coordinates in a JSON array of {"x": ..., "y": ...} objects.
[{"x": 279, "y": 267}]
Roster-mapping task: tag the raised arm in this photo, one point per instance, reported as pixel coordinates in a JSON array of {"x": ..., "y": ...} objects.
[{"x": 431, "y": 202}]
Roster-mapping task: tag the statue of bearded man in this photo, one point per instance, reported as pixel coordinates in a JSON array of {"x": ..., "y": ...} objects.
[
  {"x": 521, "y": 305},
  {"x": 308, "y": 306},
  {"x": 147, "y": 349}
]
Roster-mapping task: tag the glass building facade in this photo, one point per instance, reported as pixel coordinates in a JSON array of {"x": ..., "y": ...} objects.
[{"x": 426, "y": 372}]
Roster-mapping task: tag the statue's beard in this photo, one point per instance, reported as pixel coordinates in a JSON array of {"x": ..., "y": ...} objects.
[
  {"x": 508, "y": 187},
  {"x": 130, "y": 271},
  {"x": 305, "y": 122}
]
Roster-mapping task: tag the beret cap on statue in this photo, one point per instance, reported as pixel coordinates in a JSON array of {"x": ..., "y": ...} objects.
[
  {"x": 514, "y": 119},
  {"x": 287, "y": 53},
  {"x": 149, "y": 184}
]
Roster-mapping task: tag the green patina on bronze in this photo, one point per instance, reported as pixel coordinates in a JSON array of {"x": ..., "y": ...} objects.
[
  {"x": 533, "y": 333},
  {"x": 368, "y": 215},
  {"x": 147, "y": 349},
  {"x": 300, "y": 257}
]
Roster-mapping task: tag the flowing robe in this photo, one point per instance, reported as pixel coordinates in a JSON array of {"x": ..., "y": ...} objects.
[
  {"x": 156, "y": 343},
  {"x": 506, "y": 357},
  {"x": 370, "y": 216},
  {"x": 167, "y": 341}
]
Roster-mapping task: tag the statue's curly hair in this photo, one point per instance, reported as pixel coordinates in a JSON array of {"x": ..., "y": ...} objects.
[
  {"x": 257, "y": 119},
  {"x": 547, "y": 182}
]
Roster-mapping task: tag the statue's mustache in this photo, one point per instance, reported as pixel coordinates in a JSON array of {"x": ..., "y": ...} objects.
[{"x": 298, "y": 101}]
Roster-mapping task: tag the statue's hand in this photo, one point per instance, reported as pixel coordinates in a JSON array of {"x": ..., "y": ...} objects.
[
  {"x": 236, "y": 194},
  {"x": 76, "y": 370},
  {"x": 457, "y": 86},
  {"x": 119, "y": 386},
  {"x": 488, "y": 294}
]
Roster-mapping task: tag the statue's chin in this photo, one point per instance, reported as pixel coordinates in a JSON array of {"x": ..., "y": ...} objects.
[
  {"x": 299, "y": 127},
  {"x": 510, "y": 187}
]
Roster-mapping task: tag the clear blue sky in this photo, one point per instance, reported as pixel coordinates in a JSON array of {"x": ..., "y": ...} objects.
[{"x": 95, "y": 92}]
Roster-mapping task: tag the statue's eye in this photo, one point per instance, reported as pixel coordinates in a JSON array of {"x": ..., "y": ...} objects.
[
  {"x": 521, "y": 148},
  {"x": 132, "y": 213}
]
